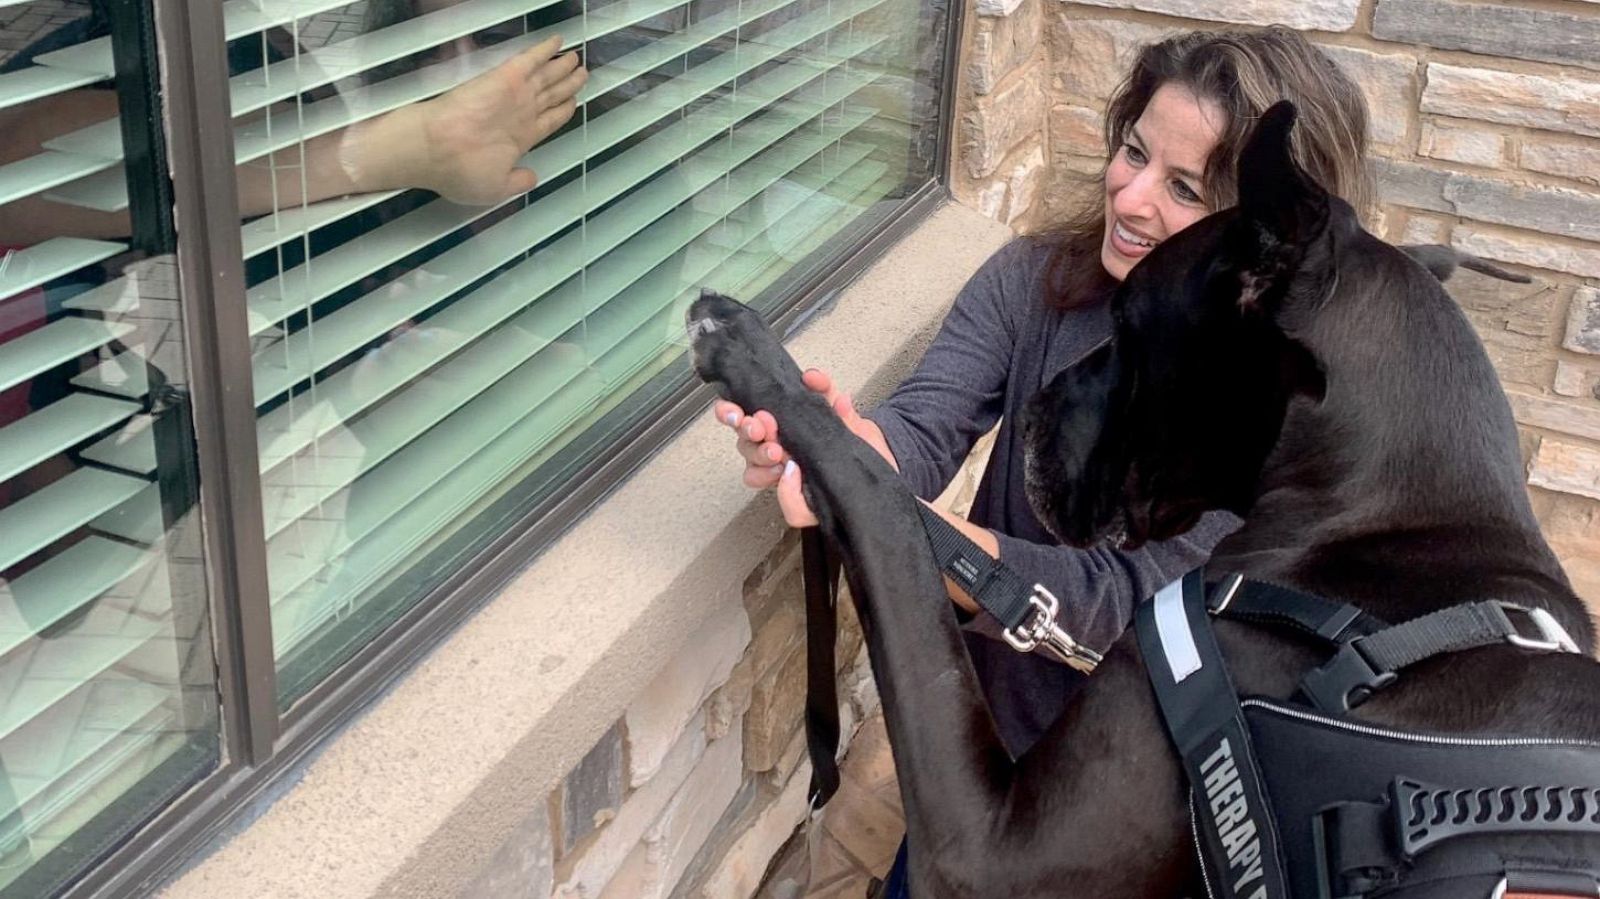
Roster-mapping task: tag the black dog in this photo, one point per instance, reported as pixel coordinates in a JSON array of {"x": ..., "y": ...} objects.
[{"x": 1274, "y": 360}]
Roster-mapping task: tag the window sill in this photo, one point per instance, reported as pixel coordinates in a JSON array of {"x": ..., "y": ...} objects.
[{"x": 416, "y": 795}]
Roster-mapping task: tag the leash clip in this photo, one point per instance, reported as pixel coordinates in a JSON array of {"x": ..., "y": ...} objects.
[
  {"x": 1552, "y": 636},
  {"x": 1043, "y": 631}
]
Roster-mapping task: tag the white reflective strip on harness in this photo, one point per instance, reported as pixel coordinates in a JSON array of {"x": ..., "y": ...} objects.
[{"x": 1172, "y": 625}]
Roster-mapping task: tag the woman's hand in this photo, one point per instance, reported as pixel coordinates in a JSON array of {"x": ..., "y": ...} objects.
[
  {"x": 465, "y": 143},
  {"x": 767, "y": 464}
]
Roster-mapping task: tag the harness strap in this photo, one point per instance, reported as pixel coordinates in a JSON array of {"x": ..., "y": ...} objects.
[
  {"x": 1259, "y": 602},
  {"x": 1234, "y": 824},
  {"x": 1365, "y": 664}
]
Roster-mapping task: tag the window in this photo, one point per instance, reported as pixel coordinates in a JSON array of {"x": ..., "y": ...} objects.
[
  {"x": 420, "y": 365},
  {"x": 108, "y": 703},
  {"x": 427, "y": 375}
]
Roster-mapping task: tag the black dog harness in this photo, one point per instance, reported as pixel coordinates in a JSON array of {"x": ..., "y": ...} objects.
[{"x": 1297, "y": 800}]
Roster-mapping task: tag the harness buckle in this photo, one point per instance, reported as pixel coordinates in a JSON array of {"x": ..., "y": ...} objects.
[
  {"x": 1552, "y": 637},
  {"x": 1345, "y": 681},
  {"x": 1043, "y": 631}
]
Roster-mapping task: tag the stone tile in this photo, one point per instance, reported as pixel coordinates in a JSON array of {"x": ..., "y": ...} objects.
[
  {"x": 1553, "y": 210},
  {"x": 591, "y": 794},
  {"x": 1562, "y": 416},
  {"x": 1526, "y": 248},
  {"x": 1492, "y": 30},
  {"x": 1389, "y": 83},
  {"x": 1578, "y": 160},
  {"x": 1092, "y": 55},
  {"x": 1458, "y": 143},
  {"x": 776, "y": 706},
  {"x": 1321, "y": 15},
  {"x": 1577, "y": 380},
  {"x": 1566, "y": 467},
  {"x": 741, "y": 869},
  {"x": 585, "y": 875},
  {"x": 1566, "y": 104},
  {"x": 1583, "y": 321},
  {"x": 1002, "y": 44},
  {"x": 998, "y": 123},
  {"x": 660, "y": 713}
]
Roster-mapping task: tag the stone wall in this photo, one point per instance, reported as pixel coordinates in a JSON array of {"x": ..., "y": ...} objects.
[
  {"x": 1486, "y": 136},
  {"x": 698, "y": 785}
]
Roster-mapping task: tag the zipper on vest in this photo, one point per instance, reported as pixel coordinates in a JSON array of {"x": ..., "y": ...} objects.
[{"x": 1370, "y": 730}]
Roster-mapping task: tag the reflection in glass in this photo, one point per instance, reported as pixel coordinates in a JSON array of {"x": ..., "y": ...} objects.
[
  {"x": 424, "y": 371},
  {"x": 107, "y": 697}
]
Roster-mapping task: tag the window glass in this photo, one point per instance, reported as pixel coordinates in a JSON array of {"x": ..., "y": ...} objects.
[
  {"x": 431, "y": 357},
  {"x": 107, "y": 697}
]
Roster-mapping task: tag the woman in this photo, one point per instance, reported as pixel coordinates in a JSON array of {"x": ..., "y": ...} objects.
[{"x": 1173, "y": 131}]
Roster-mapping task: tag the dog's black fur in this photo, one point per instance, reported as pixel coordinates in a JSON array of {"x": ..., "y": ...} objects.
[{"x": 1274, "y": 360}]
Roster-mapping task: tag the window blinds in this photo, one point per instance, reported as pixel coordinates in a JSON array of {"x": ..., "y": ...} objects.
[
  {"x": 414, "y": 367},
  {"x": 94, "y": 647}
]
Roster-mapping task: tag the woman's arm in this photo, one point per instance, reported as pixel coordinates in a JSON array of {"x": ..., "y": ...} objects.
[{"x": 463, "y": 144}]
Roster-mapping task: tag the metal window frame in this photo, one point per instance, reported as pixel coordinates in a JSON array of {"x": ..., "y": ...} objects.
[{"x": 260, "y": 744}]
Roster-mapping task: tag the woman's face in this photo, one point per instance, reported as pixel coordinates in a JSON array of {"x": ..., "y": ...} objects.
[{"x": 1153, "y": 187}]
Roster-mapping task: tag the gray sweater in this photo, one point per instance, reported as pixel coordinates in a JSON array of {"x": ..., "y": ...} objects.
[{"x": 999, "y": 344}]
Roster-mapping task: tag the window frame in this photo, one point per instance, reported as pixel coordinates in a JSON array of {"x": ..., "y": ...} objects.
[{"x": 260, "y": 744}]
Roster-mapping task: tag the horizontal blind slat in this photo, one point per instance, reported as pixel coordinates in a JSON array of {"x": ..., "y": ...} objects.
[
  {"x": 131, "y": 449},
  {"x": 293, "y": 359},
  {"x": 61, "y": 340},
  {"x": 42, "y": 171},
  {"x": 52, "y": 512},
  {"x": 91, "y": 57},
  {"x": 294, "y": 558},
  {"x": 59, "y": 666},
  {"x": 57, "y": 428},
  {"x": 26, "y": 269},
  {"x": 104, "y": 191},
  {"x": 123, "y": 375},
  {"x": 37, "y": 82},
  {"x": 58, "y": 587}
]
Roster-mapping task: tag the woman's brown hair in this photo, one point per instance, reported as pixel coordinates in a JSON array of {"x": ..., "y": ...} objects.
[{"x": 1243, "y": 73}]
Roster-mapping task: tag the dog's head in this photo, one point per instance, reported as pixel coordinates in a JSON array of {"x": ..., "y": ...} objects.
[{"x": 1176, "y": 414}]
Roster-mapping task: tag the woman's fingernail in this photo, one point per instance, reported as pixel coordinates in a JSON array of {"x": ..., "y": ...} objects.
[
  {"x": 772, "y": 453},
  {"x": 733, "y": 419},
  {"x": 788, "y": 468}
]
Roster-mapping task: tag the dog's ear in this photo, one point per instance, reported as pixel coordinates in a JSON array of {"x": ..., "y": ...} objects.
[{"x": 1282, "y": 209}]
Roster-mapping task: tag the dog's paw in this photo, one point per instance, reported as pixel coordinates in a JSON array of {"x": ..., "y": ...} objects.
[{"x": 733, "y": 349}]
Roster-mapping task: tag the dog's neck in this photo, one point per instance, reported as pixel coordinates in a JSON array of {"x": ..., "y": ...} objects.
[{"x": 1330, "y": 520}]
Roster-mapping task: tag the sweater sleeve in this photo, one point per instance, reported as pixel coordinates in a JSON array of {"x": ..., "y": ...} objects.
[
  {"x": 1100, "y": 586},
  {"x": 957, "y": 392}
]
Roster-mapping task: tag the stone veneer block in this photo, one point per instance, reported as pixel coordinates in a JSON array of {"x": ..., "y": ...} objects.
[
  {"x": 1023, "y": 183},
  {"x": 992, "y": 8},
  {"x": 1492, "y": 30},
  {"x": 1001, "y": 45},
  {"x": 520, "y": 869},
  {"x": 1092, "y": 55},
  {"x": 1321, "y": 15},
  {"x": 1577, "y": 380},
  {"x": 1567, "y": 105},
  {"x": 1389, "y": 83},
  {"x": 1522, "y": 248},
  {"x": 1583, "y": 321},
  {"x": 655, "y": 865},
  {"x": 1456, "y": 143},
  {"x": 1001, "y": 121},
  {"x": 1566, "y": 467},
  {"x": 1554, "y": 210},
  {"x": 1579, "y": 161},
  {"x": 1577, "y": 419},
  {"x": 740, "y": 871},
  {"x": 660, "y": 713},
  {"x": 599, "y": 862},
  {"x": 591, "y": 794},
  {"x": 777, "y": 703}
]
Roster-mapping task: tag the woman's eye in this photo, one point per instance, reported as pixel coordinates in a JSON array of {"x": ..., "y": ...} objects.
[
  {"x": 1134, "y": 154},
  {"x": 1185, "y": 193}
]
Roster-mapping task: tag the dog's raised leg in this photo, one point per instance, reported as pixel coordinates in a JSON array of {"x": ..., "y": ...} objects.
[{"x": 971, "y": 811}]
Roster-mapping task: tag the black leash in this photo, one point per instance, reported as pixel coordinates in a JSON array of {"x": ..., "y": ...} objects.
[{"x": 819, "y": 570}]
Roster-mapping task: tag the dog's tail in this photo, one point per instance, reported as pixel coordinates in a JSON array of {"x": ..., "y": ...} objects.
[{"x": 1442, "y": 261}]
